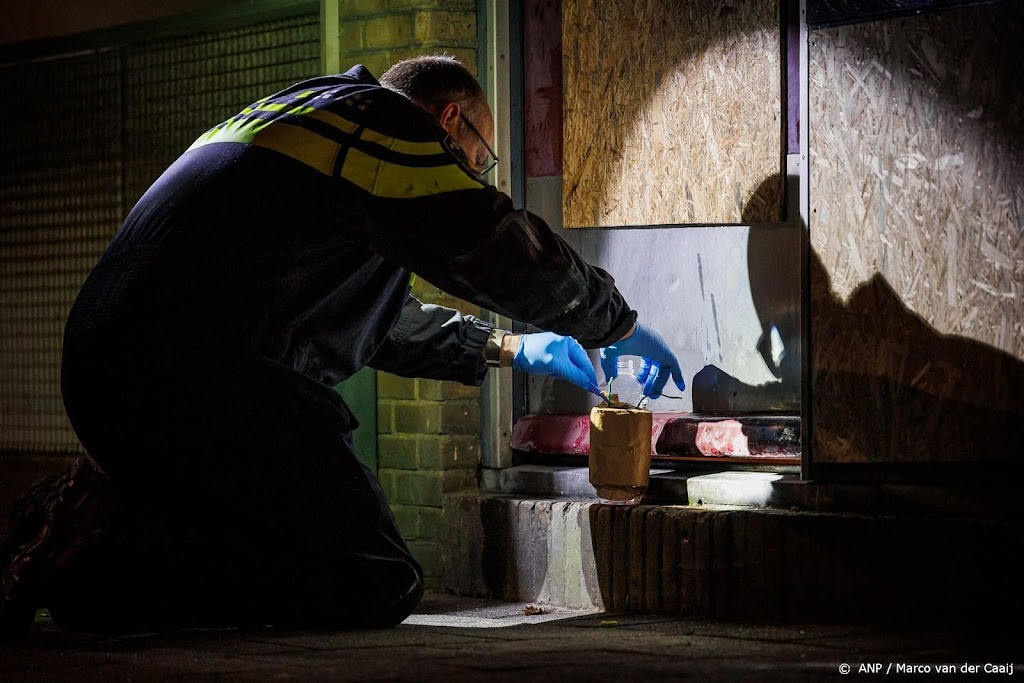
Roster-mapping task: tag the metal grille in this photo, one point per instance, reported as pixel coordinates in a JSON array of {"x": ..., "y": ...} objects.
[
  {"x": 177, "y": 89},
  {"x": 82, "y": 137}
]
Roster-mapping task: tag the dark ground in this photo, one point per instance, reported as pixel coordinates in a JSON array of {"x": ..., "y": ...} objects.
[{"x": 481, "y": 646}]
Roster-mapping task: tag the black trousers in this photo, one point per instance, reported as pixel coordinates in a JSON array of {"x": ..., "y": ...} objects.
[{"x": 244, "y": 503}]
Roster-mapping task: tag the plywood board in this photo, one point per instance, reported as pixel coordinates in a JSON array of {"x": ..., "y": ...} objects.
[
  {"x": 917, "y": 169},
  {"x": 672, "y": 112}
]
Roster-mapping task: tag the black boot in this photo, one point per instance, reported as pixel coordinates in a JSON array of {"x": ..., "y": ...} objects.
[{"x": 51, "y": 522}]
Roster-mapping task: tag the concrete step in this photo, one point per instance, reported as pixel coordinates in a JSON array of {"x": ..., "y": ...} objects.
[{"x": 732, "y": 562}]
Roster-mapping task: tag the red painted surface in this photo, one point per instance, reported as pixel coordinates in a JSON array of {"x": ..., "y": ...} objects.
[
  {"x": 724, "y": 437},
  {"x": 567, "y": 434},
  {"x": 674, "y": 436},
  {"x": 542, "y": 80},
  {"x": 554, "y": 434}
]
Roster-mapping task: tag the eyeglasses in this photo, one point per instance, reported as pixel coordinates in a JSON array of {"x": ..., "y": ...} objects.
[{"x": 492, "y": 161}]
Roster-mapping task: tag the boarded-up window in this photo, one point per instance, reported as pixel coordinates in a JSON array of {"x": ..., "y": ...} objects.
[
  {"x": 917, "y": 236},
  {"x": 672, "y": 112}
]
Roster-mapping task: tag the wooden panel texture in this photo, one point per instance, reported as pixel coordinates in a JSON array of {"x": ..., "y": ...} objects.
[
  {"x": 917, "y": 163},
  {"x": 672, "y": 112}
]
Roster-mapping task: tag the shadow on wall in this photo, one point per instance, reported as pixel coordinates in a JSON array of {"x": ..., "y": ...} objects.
[
  {"x": 773, "y": 268},
  {"x": 887, "y": 387},
  {"x": 636, "y": 78},
  {"x": 930, "y": 197}
]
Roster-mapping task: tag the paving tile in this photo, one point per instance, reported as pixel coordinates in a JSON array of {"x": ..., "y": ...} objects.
[
  {"x": 512, "y": 614},
  {"x": 401, "y": 636},
  {"x": 602, "y": 647}
]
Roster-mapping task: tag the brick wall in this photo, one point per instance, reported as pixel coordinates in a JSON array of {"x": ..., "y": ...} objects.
[
  {"x": 378, "y": 33},
  {"x": 428, "y": 445},
  {"x": 428, "y": 431}
]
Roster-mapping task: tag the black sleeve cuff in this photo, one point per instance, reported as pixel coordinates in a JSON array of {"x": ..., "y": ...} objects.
[{"x": 470, "y": 367}]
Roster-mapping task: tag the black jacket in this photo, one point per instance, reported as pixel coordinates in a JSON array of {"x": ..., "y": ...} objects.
[{"x": 289, "y": 232}]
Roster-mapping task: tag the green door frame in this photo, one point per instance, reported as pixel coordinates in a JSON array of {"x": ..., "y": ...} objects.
[{"x": 360, "y": 393}]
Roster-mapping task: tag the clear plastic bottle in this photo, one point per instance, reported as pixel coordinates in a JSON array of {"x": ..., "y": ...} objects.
[{"x": 625, "y": 387}]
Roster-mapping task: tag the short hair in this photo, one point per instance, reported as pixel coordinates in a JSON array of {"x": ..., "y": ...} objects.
[{"x": 434, "y": 80}]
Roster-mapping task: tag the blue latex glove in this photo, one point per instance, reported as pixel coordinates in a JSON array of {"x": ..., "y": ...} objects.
[
  {"x": 657, "y": 362},
  {"x": 547, "y": 353}
]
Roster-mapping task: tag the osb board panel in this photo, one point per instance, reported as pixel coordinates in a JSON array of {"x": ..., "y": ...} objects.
[
  {"x": 917, "y": 164},
  {"x": 672, "y": 111}
]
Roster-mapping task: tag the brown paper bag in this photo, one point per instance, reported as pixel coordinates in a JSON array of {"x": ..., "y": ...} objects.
[{"x": 620, "y": 453}]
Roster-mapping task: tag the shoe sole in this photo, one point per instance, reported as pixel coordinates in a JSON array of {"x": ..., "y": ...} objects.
[{"x": 34, "y": 553}]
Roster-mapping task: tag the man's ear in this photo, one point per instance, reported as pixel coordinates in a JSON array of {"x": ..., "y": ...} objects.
[{"x": 449, "y": 113}]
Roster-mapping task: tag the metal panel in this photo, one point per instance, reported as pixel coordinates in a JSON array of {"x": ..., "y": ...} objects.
[
  {"x": 220, "y": 72},
  {"x": 59, "y": 204},
  {"x": 494, "y": 21},
  {"x": 81, "y": 139},
  {"x": 826, "y": 13}
]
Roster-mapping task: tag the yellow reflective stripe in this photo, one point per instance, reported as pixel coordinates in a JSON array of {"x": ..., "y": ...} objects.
[
  {"x": 403, "y": 146},
  {"x": 239, "y": 126},
  {"x": 361, "y": 169},
  {"x": 382, "y": 178},
  {"x": 274, "y": 106},
  {"x": 334, "y": 120},
  {"x": 247, "y": 126},
  {"x": 241, "y": 130},
  {"x": 395, "y": 181},
  {"x": 302, "y": 95},
  {"x": 300, "y": 144}
]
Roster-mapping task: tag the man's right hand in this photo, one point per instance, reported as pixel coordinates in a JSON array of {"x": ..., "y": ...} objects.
[{"x": 547, "y": 353}]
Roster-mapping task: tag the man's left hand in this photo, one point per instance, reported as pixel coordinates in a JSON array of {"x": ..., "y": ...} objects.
[{"x": 657, "y": 362}]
